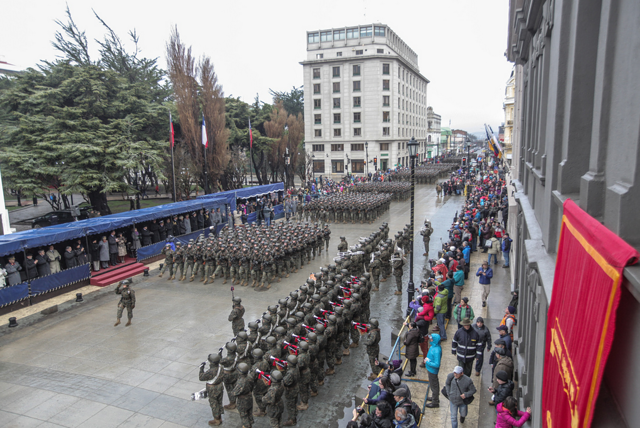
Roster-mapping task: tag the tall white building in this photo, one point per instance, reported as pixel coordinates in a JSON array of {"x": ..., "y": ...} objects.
[
  {"x": 364, "y": 99},
  {"x": 433, "y": 133}
]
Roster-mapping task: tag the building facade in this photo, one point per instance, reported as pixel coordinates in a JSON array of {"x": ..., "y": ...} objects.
[
  {"x": 434, "y": 122},
  {"x": 364, "y": 100},
  {"x": 509, "y": 113},
  {"x": 576, "y": 134}
]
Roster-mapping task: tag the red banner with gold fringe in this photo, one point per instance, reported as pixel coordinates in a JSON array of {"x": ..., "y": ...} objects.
[{"x": 586, "y": 292}]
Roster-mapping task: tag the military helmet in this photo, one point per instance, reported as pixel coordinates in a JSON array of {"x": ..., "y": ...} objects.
[
  {"x": 280, "y": 330},
  {"x": 355, "y": 296},
  {"x": 329, "y": 284},
  {"x": 231, "y": 347},
  {"x": 276, "y": 376},
  {"x": 303, "y": 345},
  {"x": 266, "y": 317},
  {"x": 243, "y": 368},
  {"x": 299, "y": 315},
  {"x": 367, "y": 275},
  {"x": 282, "y": 302},
  {"x": 319, "y": 328},
  {"x": 374, "y": 323},
  {"x": 339, "y": 310},
  {"x": 316, "y": 297},
  {"x": 342, "y": 238},
  {"x": 332, "y": 319},
  {"x": 272, "y": 309},
  {"x": 347, "y": 303},
  {"x": 309, "y": 281},
  {"x": 237, "y": 300},
  {"x": 307, "y": 306},
  {"x": 214, "y": 359},
  {"x": 291, "y": 321},
  {"x": 292, "y": 359},
  {"x": 253, "y": 325},
  {"x": 293, "y": 295},
  {"x": 242, "y": 336},
  {"x": 312, "y": 337},
  {"x": 271, "y": 340},
  {"x": 323, "y": 290},
  {"x": 257, "y": 353}
]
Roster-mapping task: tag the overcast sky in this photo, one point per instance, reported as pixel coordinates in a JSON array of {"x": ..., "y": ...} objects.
[{"x": 256, "y": 45}]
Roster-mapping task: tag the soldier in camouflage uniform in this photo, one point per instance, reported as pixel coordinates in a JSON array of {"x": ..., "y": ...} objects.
[
  {"x": 426, "y": 232},
  {"x": 168, "y": 261},
  {"x": 244, "y": 272},
  {"x": 210, "y": 263},
  {"x": 291, "y": 382},
  {"x": 374, "y": 269},
  {"x": 128, "y": 300},
  {"x": 244, "y": 348},
  {"x": 178, "y": 261},
  {"x": 198, "y": 260},
  {"x": 343, "y": 246},
  {"x": 273, "y": 399},
  {"x": 235, "y": 317},
  {"x": 215, "y": 388},
  {"x": 268, "y": 265},
  {"x": 304, "y": 363},
  {"x": 398, "y": 265},
  {"x": 259, "y": 388},
  {"x": 372, "y": 341},
  {"x": 230, "y": 374},
  {"x": 242, "y": 392},
  {"x": 189, "y": 254}
]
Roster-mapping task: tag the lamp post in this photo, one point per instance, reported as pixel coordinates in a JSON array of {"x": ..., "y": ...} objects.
[
  {"x": 366, "y": 148},
  {"x": 346, "y": 165},
  {"x": 413, "y": 150},
  {"x": 468, "y": 160}
]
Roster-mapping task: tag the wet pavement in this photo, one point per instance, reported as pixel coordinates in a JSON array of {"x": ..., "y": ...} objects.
[{"x": 76, "y": 369}]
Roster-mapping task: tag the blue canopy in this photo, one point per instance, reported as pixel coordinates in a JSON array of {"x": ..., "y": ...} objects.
[
  {"x": 245, "y": 193},
  {"x": 35, "y": 238}
]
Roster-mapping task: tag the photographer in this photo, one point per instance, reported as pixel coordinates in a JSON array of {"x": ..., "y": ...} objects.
[{"x": 381, "y": 418}]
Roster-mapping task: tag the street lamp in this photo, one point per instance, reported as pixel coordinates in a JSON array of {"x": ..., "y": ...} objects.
[
  {"x": 468, "y": 160},
  {"x": 366, "y": 148},
  {"x": 413, "y": 150},
  {"x": 346, "y": 165}
]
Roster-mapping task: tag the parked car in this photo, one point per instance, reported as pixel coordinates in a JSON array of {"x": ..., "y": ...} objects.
[{"x": 58, "y": 217}]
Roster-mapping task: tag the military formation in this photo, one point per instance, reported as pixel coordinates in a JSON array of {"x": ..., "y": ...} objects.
[
  {"x": 281, "y": 360},
  {"x": 424, "y": 174},
  {"x": 346, "y": 207},
  {"x": 256, "y": 255},
  {"x": 399, "y": 191}
]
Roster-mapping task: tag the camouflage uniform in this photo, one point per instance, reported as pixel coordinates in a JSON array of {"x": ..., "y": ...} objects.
[
  {"x": 215, "y": 388},
  {"x": 168, "y": 261},
  {"x": 372, "y": 340},
  {"x": 397, "y": 272},
  {"x": 128, "y": 300},
  {"x": 244, "y": 399},
  {"x": 235, "y": 317},
  {"x": 273, "y": 401}
]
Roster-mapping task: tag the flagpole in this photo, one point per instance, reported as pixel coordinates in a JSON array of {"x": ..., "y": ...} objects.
[
  {"x": 173, "y": 168},
  {"x": 206, "y": 182}
]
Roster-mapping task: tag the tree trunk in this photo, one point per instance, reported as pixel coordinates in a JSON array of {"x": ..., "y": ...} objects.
[{"x": 99, "y": 202}]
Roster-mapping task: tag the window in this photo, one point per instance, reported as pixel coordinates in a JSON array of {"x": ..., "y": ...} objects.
[
  {"x": 317, "y": 119},
  {"x": 356, "y": 70},
  {"x": 337, "y": 166},
  {"x": 336, "y": 87},
  {"x": 399, "y": 144},
  {"x": 356, "y": 101},
  {"x": 385, "y": 85},
  {"x": 356, "y": 117},
  {"x": 380, "y": 51},
  {"x": 317, "y": 104},
  {"x": 318, "y": 166},
  {"x": 337, "y": 132},
  {"x": 319, "y": 56},
  {"x": 357, "y": 166},
  {"x": 365, "y": 32},
  {"x": 313, "y": 37},
  {"x": 336, "y": 71},
  {"x": 316, "y": 88},
  {"x": 317, "y": 132},
  {"x": 386, "y": 116},
  {"x": 336, "y": 118},
  {"x": 398, "y": 86},
  {"x": 356, "y": 86},
  {"x": 384, "y": 147},
  {"x": 318, "y": 147},
  {"x": 398, "y": 102},
  {"x": 338, "y": 53},
  {"x": 385, "y": 101},
  {"x": 357, "y": 147},
  {"x": 338, "y": 35},
  {"x": 352, "y": 33},
  {"x": 336, "y": 103},
  {"x": 316, "y": 73},
  {"x": 385, "y": 68},
  {"x": 357, "y": 132},
  {"x": 379, "y": 31},
  {"x": 337, "y": 147},
  {"x": 325, "y": 36},
  {"x": 359, "y": 52},
  {"x": 386, "y": 132}
]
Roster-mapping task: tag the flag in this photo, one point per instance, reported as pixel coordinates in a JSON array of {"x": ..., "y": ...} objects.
[
  {"x": 250, "y": 135},
  {"x": 171, "y": 130},
  {"x": 493, "y": 142},
  {"x": 205, "y": 140}
]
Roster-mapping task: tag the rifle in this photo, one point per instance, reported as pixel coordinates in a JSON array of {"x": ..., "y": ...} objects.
[
  {"x": 298, "y": 338},
  {"x": 346, "y": 290},
  {"x": 360, "y": 326},
  {"x": 321, "y": 321},
  {"x": 291, "y": 347},
  {"x": 325, "y": 312},
  {"x": 277, "y": 362},
  {"x": 336, "y": 304},
  {"x": 264, "y": 376},
  {"x": 310, "y": 329}
]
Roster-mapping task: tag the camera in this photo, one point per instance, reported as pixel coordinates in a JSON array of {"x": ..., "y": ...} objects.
[{"x": 360, "y": 410}]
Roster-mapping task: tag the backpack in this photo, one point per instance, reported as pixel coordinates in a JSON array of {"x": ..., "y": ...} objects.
[{"x": 414, "y": 409}]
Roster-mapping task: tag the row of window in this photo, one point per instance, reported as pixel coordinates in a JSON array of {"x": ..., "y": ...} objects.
[
  {"x": 337, "y": 166},
  {"x": 356, "y": 147},
  {"x": 357, "y": 132},
  {"x": 356, "y": 70},
  {"x": 337, "y": 117},
  {"x": 351, "y": 33}
]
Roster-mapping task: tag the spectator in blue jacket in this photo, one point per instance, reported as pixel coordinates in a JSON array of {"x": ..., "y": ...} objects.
[
  {"x": 432, "y": 364},
  {"x": 458, "y": 284},
  {"x": 506, "y": 249},
  {"x": 485, "y": 273},
  {"x": 466, "y": 251}
]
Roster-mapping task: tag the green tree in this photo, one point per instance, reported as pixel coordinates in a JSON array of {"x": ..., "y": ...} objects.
[{"x": 292, "y": 101}]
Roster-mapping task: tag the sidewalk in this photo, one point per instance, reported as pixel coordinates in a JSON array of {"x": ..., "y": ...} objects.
[{"x": 480, "y": 414}]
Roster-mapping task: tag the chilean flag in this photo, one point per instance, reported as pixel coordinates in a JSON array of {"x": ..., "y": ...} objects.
[
  {"x": 205, "y": 140},
  {"x": 172, "y": 132},
  {"x": 250, "y": 135}
]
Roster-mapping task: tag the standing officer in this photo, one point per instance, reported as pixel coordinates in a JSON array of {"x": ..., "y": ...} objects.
[
  {"x": 214, "y": 377},
  {"x": 273, "y": 399},
  {"x": 259, "y": 388},
  {"x": 371, "y": 339},
  {"x": 291, "y": 381},
  {"x": 242, "y": 392},
  {"x": 343, "y": 246},
  {"x": 235, "y": 317},
  {"x": 398, "y": 264},
  {"x": 128, "y": 300},
  {"x": 168, "y": 260},
  {"x": 426, "y": 236}
]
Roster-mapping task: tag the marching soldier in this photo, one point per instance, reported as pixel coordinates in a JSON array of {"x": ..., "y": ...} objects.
[
  {"x": 398, "y": 264},
  {"x": 235, "y": 317},
  {"x": 343, "y": 246},
  {"x": 128, "y": 300},
  {"x": 372, "y": 340},
  {"x": 374, "y": 268},
  {"x": 214, "y": 377},
  {"x": 168, "y": 261},
  {"x": 230, "y": 373},
  {"x": 273, "y": 399},
  {"x": 426, "y": 232},
  {"x": 242, "y": 392},
  {"x": 304, "y": 362},
  {"x": 259, "y": 388},
  {"x": 178, "y": 262},
  {"x": 291, "y": 381}
]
